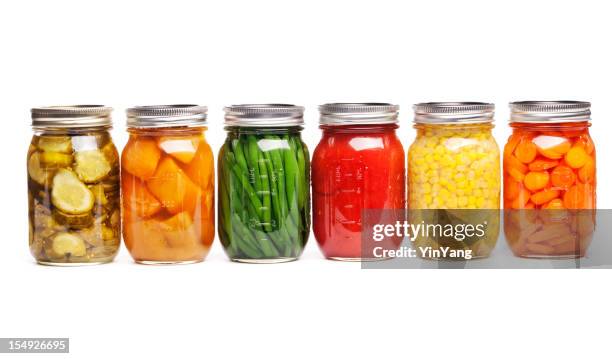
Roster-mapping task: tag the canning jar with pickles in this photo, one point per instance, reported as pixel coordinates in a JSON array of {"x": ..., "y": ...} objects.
[
  {"x": 358, "y": 165},
  {"x": 264, "y": 184},
  {"x": 549, "y": 179},
  {"x": 73, "y": 186},
  {"x": 453, "y": 177},
  {"x": 167, "y": 185}
]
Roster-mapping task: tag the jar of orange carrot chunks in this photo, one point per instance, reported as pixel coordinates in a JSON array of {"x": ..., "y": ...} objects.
[
  {"x": 167, "y": 185},
  {"x": 549, "y": 179}
]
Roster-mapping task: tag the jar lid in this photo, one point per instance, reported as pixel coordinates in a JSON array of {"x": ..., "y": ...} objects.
[
  {"x": 453, "y": 112},
  {"x": 358, "y": 113},
  {"x": 185, "y": 115},
  {"x": 550, "y": 111},
  {"x": 264, "y": 115},
  {"x": 74, "y": 116}
]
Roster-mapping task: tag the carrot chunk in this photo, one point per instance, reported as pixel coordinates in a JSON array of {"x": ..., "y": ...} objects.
[
  {"x": 201, "y": 168},
  {"x": 587, "y": 173},
  {"x": 173, "y": 188},
  {"x": 140, "y": 157},
  {"x": 136, "y": 197}
]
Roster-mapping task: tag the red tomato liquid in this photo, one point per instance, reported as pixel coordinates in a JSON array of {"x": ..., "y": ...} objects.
[{"x": 354, "y": 167}]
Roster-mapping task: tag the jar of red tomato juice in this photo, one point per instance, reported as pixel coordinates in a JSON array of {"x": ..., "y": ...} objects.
[{"x": 358, "y": 165}]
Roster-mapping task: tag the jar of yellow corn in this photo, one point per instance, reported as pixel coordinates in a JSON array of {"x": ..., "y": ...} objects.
[{"x": 453, "y": 179}]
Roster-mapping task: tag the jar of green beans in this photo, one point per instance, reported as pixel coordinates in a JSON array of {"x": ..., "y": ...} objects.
[{"x": 264, "y": 184}]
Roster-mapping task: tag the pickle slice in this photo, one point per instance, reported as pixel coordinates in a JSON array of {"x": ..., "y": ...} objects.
[
  {"x": 91, "y": 166},
  {"x": 55, "y": 159},
  {"x": 37, "y": 173},
  {"x": 68, "y": 244},
  {"x": 110, "y": 152},
  {"x": 73, "y": 220},
  {"x": 99, "y": 195},
  {"x": 69, "y": 194},
  {"x": 61, "y": 144}
]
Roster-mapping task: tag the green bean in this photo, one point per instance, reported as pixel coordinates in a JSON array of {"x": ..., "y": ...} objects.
[{"x": 302, "y": 191}]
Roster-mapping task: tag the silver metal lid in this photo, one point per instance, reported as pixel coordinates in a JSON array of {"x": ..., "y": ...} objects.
[
  {"x": 264, "y": 115},
  {"x": 550, "y": 111},
  {"x": 454, "y": 112},
  {"x": 77, "y": 116},
  {"x": 358, "y": 113},
  {"x": 166, "y": 116}
]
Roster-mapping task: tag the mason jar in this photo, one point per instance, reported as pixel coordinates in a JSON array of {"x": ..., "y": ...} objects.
[
  {"x": 73, "y": 186},
  {"x": 549, "y": 179},
  {"x": 167, "y": 182},
  {"x": 358, "y": 165},
  {"x": 454, "y": 175},
  {"x": 264, "y": 177}
]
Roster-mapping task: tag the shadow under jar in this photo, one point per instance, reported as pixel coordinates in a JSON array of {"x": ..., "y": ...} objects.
[
  {"x": 358, "y": 165},
  {"x": 73, "y": 186},
  {"x": 454, "y": 180},
  {"x": 549, "y": 179},
  {"x": 167, "y": 185},
  {"x": 264, "y": 176}
]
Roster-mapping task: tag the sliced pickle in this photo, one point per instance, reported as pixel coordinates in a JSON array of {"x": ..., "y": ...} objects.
[
  {"x": 92, "y": 236},
  {"x": 69, "y": 194},
  {"x": 110, "y": 152},
  {"x": 68, "y": 244},
  {"x": 55, "y": 159},
  {"x": 73, "y": 220},
  {"x": 37, "y": 173},
  {"x": 108, "y": 234},
  {"x": 111, "y": 183},
  {"x": 115, "y": 218},
  {"x": 61, "y": 144},
  {"x": 91, "y": 166},
  {"x": 99, "y": 195}
]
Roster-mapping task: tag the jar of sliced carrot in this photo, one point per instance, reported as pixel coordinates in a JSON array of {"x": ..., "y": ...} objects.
[
  {"x": 167, "y": 185},
  {"x": 549, "y": 179}
]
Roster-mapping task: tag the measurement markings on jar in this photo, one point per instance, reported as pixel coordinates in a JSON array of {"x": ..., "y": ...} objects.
[{"x": 34, "y": 345}]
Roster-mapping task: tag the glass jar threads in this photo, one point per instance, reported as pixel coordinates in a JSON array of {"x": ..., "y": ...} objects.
[
  {"x": 359, "y": 164},
  {"x": 264, "y": 176},
  {"x": 73, "y": 186},
  {"x": 167, "y": 183},
  {"x": 453, "y": 172},
  {"x": 549, "y": 179}
]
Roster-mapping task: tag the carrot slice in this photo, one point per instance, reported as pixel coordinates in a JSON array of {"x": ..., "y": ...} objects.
[
  {"x": 525, "y": 151},
  {"x": 136, "y": 197},
  {"x": 179, "y": 231},
  {"x": 521, "y": 199},
  {"x": 140, "y": 157},
  {"x": 513, "y": 141},
  {"x": 202, "y": 167},
  {"x": 562, "y": 177},
  {"x": 511, "y": 188},
  {"x": 553, "y": 147},
  {"x": 586, "y": 143},
  {"x": 542, "y": 164},
  {"x": 535, "y": 181},
  {"x": 576, "y": 157},
  {"x": 173, "y": 188},
  {"x": 544, "y": 196},
  {"x": 556, "y": 203},
  {"x": 182, "y": 148},
  {"x": 145, "y": 240},
  {"x": 574, "y": 198},
  {"x": 587, "y": 173}
]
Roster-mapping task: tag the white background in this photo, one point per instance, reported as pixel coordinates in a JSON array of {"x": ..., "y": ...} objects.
[{"x": 124, "y": 53}]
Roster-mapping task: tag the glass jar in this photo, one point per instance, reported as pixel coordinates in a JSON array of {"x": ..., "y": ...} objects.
[
  {"x": 549, "y": 179},
  {"x": 359, "y": 164},
  {"x": 264, "y": 177},
  {"x": 453, "y": 175},
  {"x": 167, "y": 184},
  {"x": 73, "y": 186}
]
